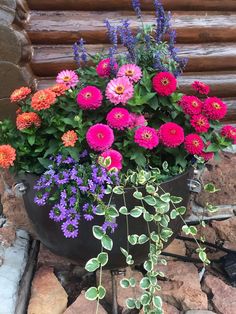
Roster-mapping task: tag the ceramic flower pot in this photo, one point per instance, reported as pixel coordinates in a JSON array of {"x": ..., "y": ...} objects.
[{"x": 81, "y": 249}]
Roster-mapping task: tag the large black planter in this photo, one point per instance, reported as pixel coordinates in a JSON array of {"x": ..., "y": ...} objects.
[{"x": 86, "y": 246}]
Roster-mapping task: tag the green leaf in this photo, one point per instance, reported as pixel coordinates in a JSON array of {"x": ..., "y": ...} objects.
[
  {"x": 73, "y": 151},
  {"x": 155, "y": 237},
  {"x": 165, "y": 197},
  {"x": 138, "y": 195},
  {"x": 124, "y": 283},
  {"x": 181, "y": 210},
  {"x": 44, "y": 162},
  {"x": 123, "y": 210},
  {"x": 133, "y": 239},
  {"x": 136, "y": 211},
  {"x": 129, "y": 260},
  {"x": 112, "y": 212},
  {"x": 176, "y": 199},
  {"x": 142, "y": 239},
  {"x": 210, "y": 188},
  {"x": 173, "y": 214},
  {"x": 103, "y": 258},
  {"x": 150, "y": 200},
  {"x": 101, "y": 292},
  {"x": 157, "y": 301},
  {"x": 145, "y": 299},
  {"x": 147, "y": 216},
  {"x": 98, "y": 232},
  {"x": 150, "y": 189},
  {"x": 148, "y": 266},
  {"x": 92, "y": 265},
  {"x": 166, "y": 233},
  {"x": 91, "y": 294},
  {"x": 31, "y": 139},
  {"x": 124, "y": 252},
  {"x": 130, "y": 303},
  {"x": 193, "y": 230},
  {"x": 107, "y": 242},
  {"x": 186, "y": 229},
  {"x": 118, "y": 190},
  {"x": 132, "y": 282},
  {"x": 145, "y": 283}
]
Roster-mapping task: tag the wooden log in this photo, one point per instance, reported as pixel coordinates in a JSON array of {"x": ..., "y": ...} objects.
[
  {"x": 49, "y": 60},
  {"x": 7, "y": 109},
  {"x": 126, "y": 5},
  {"x": 7, "y": 12},
  {"x": 14, "y": 45},
  {"x": 192, "y": 27}
]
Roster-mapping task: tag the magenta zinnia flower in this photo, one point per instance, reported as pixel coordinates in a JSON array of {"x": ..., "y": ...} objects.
[
  {"x": 67, "y": 77},
  {"x": 89, "y": 97},
  {"x": 164, "y": 83},
  {"x": 104, "y": 68},
  {"x": 100, "y": 137},
  {"x": 171, "y": 134},
  {"x": 137, "y": 120},
  {"x": 191, "y": 105},
  {"x": 229, "y": 132},
  {"x": 118, "y": 118},
  {"x": 200, "y": 123},
  {"x": 116, "y": 159},
  {"x": 146, "y": 137},
  {"x": 193, "y": 144},
  {"x": 214, "y": 108},
  {"x": 201, "y": 87},
  {"x": 132, "y": 71},
  {"x": 119, "y": 90}
]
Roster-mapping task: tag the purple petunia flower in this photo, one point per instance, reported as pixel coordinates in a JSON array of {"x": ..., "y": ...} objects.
[
  {"x": 57, "y": 213},
  {"x": 42, "y": 199},
  {"x": 70, "y": 228}
]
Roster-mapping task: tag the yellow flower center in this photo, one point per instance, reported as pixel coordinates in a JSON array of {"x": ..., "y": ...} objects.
[
  {"x": 129, "y": 73},
  {"x": 87, "y": 95},
  {"x": 119, "y": 89},
  {"x": 201, "y": 122},
  {"x": 105, "y": 65},
  {"x": 196, "y": 143},
  {"x": 100, "y": 135},
  {"x": 42, "y": 97},
  {"x": 66, "y": 78},
  {"x": 216, "y": 105},
  {"x": 165, "y": 81},
  {"x": 119, "y": 115},
  {"x": 147, "y": 135},
  {"x": 195, "y": 104}
]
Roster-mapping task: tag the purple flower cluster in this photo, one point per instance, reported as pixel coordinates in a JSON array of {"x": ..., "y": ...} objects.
[
  {"x": 136, "y": 7},
  {"x": 127, "y": 39},
  {"x": 80, "y": 53},
  {"x": 163, "y": 20},
  {"x": 74, "y": 188}
]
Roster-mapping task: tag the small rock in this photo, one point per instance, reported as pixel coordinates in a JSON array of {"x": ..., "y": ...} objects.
[
  {"x": 84, "y": 306},
  {"x": 230, "y": 245},
  {"x": 183, "y": 289},
  {"x": 47, "y": 294},
  {"x": 7, "y": 235},
  {"x": 226, "y": 229},
  {"x": 176, "y": 247},
  {"x": 199, "y": 312},
  {"x": 167, "y": 309},
  {"x": 224, "y": 296}
]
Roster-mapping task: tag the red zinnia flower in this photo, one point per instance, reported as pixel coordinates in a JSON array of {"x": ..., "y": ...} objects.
[
  {"x": 214, "y": 108},
  {"x": 164, "y": 83},
  {"x": 7, "y": 156},
  {"x": 229, "y": 132},
  {"x": 20, "y": 94},
  {"x": 89, "y": 97},
  {"x": 171, "y": 134},
  {"x": 146, "y": 137},
  {"x": 59, "y": 89},
  {"x": 191, "y": 105},
  {"x": 201, "y": 87},
  {"x": 69, "y": 138},
  {"x": 27, "y": 119},
  {"x": 43, "y": 99},
  {"x": 200, "y": 123},
  {"x": 193, "y": 144}
]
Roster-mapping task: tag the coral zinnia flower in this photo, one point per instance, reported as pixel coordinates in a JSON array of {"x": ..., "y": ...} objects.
[
  {"x": 201, "y": 87},
  {"x": 164, "y": 83},
  {"x": 20, "y": 94},
  {"x": 146, "y": 137},
  {"x": 104, "y": 68},
  {"x": 68, "y": 77},
  {"x": 191, "y": 105},
  {"x": 171, "y": 134},
  {"x": 69, "y": 138},
  {"x": 7, "y": 156},
  {"x": 118, "y": 118},
  {"x": 116, "y": 159},
  {"x": 193, "y": 144},
  {"x": 27, "y": 119},
  {"x": 119, "y": 90},
  {"x": 229, "y": 132},
  {"x": 100, "y": 137},
  {"x": 43, "y": 99},
  {"x": 59, "y": 89},
  {"x": 200, "y": 123},
  {"x": 89, "y": 97},
  {"x": 132, "y": 71},
  {"x": 214, "y": 108},
  {"x": 136, "y": 120}
]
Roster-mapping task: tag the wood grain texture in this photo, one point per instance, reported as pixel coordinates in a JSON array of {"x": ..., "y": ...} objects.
[
  {"x": 48, "y": 60},
  {"x": 126, "y": 4},
  {"x": 65, "y": 27}
]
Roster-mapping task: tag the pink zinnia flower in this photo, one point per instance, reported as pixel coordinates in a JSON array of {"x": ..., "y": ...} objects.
[
  {"x": 193, "y": 144},
  {"x": 119, "y": 90},
  {"x": 214, "y": 108},
  {"x": 191, "y": 105},
  {"x": 146, "y": 137},
  {"x": 118, "y": 118},
  {"x": 132, "y": 71},
  {"x": 89, "y": 97},
  {"x": 116, "y": 159},
  {"x": 67, "y": 77},
  {"x": 201, "y": 87},
  {"x": 200, "y": 123},
  {"x": 164, "y": 83},
  {"x": 229, "y": 132},
  {"x": 136, "y": 120},
  {"x": 100, "y": 137},
  {"x": 104, "y": 68},
  {"x": 171, "y": 134}
]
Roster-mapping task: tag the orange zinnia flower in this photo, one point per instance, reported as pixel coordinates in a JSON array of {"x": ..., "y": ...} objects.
[
  {"x": 59, "y": 89},
  {"x": 69, "y": 138},
  {"x": 7, "y": 156},
  {"x": 43, "y": 99},
  {"x": 20, "y": 94},
  {"x": 26, "y": 119}
]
